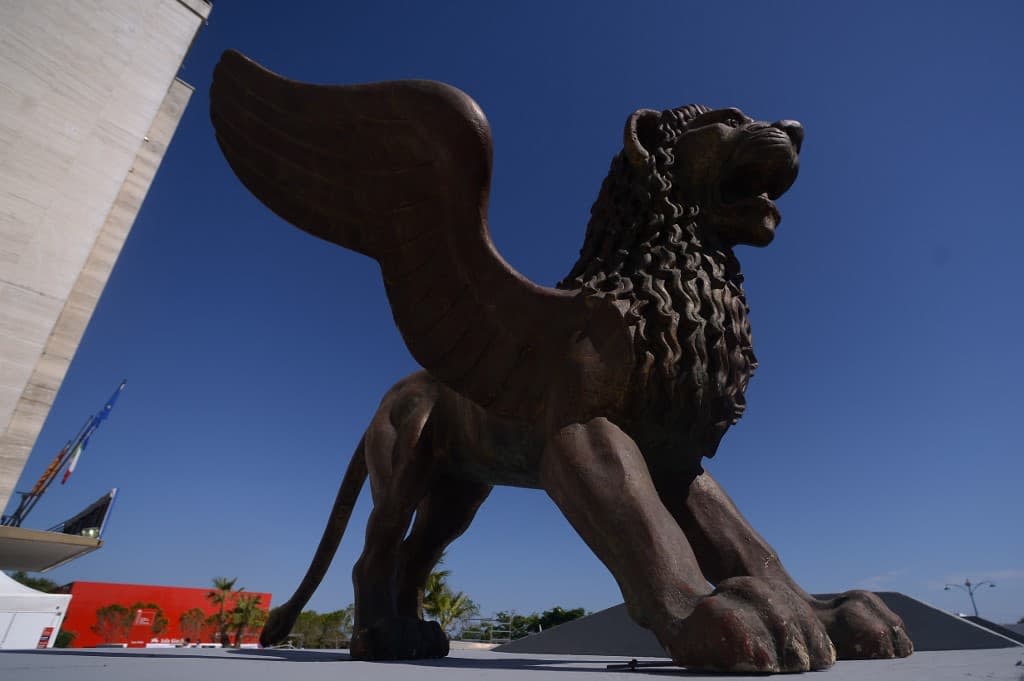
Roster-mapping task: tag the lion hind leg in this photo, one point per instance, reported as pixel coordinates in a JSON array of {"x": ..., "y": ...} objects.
[
  {"x": 441, "y": 518},
  {"x": 402, "y": 466}
]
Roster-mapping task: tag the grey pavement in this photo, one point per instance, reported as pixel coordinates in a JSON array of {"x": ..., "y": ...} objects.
[{"x": 316, "y": 665}]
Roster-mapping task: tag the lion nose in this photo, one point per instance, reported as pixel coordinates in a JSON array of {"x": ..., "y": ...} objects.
[{"x": 793, "y": 130}]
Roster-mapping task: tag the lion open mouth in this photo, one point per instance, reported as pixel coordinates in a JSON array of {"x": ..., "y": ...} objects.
[{"x": 762, "y": 169}]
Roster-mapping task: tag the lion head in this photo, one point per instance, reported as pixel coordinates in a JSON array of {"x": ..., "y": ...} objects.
[{"x": 689, "y": 185}]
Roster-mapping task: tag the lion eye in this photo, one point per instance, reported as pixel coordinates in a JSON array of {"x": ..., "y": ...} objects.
[{"x": 733, "y": 122}]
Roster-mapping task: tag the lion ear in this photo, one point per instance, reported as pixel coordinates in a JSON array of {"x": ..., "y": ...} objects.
[{"x": 639, "y": 135}]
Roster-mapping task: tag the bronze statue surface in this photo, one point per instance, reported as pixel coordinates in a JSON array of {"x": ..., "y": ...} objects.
[{"x": 606, "y": 391}]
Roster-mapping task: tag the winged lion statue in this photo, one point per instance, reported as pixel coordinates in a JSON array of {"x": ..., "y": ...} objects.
[{"x": 607, "y": 391}]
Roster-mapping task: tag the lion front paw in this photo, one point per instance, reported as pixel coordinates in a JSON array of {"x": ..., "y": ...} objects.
[
  {"x": 399, "y": 638},
  {"x": 751, "y": 625},
  {"x": 863, "y": 628}
]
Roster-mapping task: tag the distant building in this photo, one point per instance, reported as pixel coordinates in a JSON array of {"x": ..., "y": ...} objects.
[
  {"x": 140, "y": 615},
  {"x": 90, "y": 102}
]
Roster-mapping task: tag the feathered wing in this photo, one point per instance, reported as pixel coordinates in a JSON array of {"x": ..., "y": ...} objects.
[{"x": 400, "y": 171}]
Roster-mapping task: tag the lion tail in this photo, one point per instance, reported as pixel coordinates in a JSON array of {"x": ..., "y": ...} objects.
[{"x": 282, "y": 618}]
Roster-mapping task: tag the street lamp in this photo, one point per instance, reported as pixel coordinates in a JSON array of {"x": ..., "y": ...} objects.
[{"x": 970, "y": 589}]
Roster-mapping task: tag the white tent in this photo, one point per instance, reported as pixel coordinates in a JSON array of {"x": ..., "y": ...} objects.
[{"x": 29, "y": 618}]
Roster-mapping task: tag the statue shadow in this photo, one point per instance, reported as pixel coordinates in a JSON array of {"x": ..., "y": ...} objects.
[
  {"x": 559, "y": 664},
  {"x": 517, "y": 664}
]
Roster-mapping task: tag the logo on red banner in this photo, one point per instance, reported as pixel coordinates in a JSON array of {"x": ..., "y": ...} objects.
[
  {"x": 144, "y": 618},
  {"x": 142, "y": 627}
]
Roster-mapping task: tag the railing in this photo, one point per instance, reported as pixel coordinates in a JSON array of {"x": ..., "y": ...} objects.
[{"x": 487, "y": 630}]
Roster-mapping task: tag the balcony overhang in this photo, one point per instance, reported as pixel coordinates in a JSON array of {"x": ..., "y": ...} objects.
[{"x": 38, "y": 551}]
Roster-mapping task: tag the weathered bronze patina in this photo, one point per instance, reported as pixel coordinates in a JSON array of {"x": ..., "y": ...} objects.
[{"x": 606, "y": 391}]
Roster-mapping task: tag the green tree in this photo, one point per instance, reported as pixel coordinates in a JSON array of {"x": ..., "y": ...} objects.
[
  {"x": 337, "y": 627},
  {"x": 38, "y": 583},
  {"x": 482, "y": 631},
  {"x": 64, "y": 638},
  {"x": 306, "y": 629},
  {"x": 246, "y": 613},
  {"x": 219, "y": 596},
  {"x": 213, "y": 623},
  {"x": 113, "y": 622},
  {"x": 516, "y": 625},
  {"x": 523, "y": 625},
  {"x": 324, "y": 630},
  {"x": 191, "y": 624},
  {"x": 559, "y": 615},
  {"x": 449, "y": 608}
]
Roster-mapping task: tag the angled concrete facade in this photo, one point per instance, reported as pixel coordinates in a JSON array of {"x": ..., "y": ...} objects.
[{"x": 89, "y": 101}]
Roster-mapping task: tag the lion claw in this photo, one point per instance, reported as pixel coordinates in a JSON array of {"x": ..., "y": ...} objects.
[
  {"x": 863, "y": 628},
  {"x": 751, "y": 625}
]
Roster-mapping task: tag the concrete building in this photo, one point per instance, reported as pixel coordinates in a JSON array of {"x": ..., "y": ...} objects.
[{"x": 89, "y": 102}]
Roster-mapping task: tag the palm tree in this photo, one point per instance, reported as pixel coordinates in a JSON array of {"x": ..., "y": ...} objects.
[
  {"x": 437, "y": 583},
  {"x": 247, "y": 612},
  {"x": 448, "y": 608},
  {"x": 222, "y": 587}
]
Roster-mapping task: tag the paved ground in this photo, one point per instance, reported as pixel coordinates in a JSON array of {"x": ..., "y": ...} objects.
[{"x": 325, "y": 665}]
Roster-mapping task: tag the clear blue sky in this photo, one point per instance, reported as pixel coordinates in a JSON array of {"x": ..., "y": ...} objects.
[{"x": 881, "y": 446}]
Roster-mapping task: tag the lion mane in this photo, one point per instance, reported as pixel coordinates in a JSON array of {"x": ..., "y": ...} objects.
[{"x": 645, "y": 248}]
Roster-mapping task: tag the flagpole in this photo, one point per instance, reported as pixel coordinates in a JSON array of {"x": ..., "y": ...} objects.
[
  {"x": 58, "y": 461},
  {"x": 29, "y": 499},
  {"x": 71, "y": 451},
  {"x": 78, "y": 448}
]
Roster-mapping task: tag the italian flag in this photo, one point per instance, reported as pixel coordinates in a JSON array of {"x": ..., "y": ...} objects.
[{"x": 75, "y": 453}]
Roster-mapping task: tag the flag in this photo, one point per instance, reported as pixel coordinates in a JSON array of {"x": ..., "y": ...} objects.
[
  {"x": 93, "y": 423},
  {"x": 105, "y": 412},
  {"x": 75, "y": 453},
  {"x": 51, "y": 471}
]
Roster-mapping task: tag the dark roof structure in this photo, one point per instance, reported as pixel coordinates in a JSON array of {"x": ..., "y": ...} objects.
[{"x": 1014, "y": 631}]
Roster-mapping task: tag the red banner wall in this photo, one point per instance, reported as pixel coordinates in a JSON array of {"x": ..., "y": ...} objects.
[{"x": 144, "y": 625}]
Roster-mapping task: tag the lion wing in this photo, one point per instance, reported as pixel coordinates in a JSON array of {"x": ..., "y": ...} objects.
[{"x": 400, "y": 171}]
